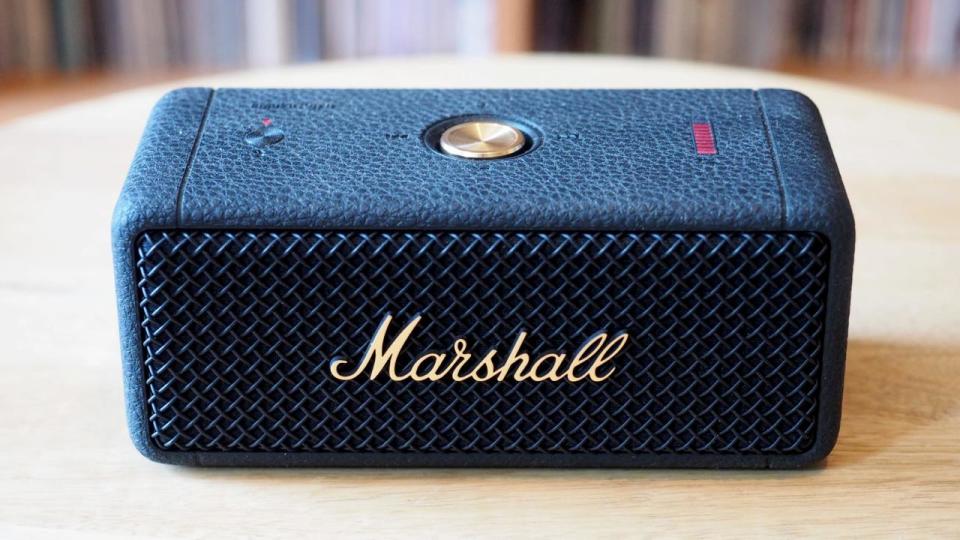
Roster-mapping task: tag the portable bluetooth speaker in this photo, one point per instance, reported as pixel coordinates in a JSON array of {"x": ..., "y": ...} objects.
[{"x": 575, "y": 278}]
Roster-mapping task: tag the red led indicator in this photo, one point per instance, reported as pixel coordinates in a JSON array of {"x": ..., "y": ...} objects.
[
  {"x": 703, "y": 138},
  {"x": 267, "y": 122}
]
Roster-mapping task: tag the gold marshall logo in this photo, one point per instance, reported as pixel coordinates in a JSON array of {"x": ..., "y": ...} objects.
[{"x": 593, "y": 361}]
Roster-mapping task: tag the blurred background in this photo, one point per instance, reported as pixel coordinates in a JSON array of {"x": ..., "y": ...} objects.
[{"x": 53, "y": 51}]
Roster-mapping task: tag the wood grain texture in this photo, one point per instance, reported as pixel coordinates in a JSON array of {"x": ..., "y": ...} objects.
[{"x": 67, "y": 466}]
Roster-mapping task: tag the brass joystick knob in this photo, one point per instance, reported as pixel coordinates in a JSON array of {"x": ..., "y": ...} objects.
[{"x": 482, "y": 139}]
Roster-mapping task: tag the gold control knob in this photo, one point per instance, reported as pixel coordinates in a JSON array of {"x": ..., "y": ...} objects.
[{"x": 482, "y": 139}]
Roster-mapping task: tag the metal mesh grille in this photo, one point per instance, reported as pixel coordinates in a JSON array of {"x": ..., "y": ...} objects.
[{"x": 724, "y": 355}]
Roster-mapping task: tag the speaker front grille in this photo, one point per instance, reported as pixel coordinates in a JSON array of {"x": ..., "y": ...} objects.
[{"x": 724, "y": 354}]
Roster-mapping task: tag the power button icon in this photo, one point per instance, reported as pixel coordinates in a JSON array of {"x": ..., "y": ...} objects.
[{"x": 266, "y": 134}]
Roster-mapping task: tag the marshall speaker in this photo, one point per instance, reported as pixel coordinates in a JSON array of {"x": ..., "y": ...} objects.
[{"x": 542, "y": 278}]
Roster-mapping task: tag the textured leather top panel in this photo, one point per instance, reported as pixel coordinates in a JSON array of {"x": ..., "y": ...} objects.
[
  {"x": 610, "y": 159},
  {"x": 814, "y": 197},
  {"x": 149, "y": 195}
]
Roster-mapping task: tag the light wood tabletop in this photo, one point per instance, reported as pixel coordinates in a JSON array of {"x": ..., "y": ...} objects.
[{"x": 67, "y": 465}]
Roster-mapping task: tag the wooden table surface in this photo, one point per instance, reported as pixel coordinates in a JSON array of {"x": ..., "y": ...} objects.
[{"x": 67, "y": 466}]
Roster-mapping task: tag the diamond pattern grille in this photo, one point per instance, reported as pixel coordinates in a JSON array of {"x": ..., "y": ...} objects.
[{"x": 724, "y": 353}]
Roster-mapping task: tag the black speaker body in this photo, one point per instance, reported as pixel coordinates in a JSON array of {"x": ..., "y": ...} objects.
[{"x": 657, "y": 278}]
